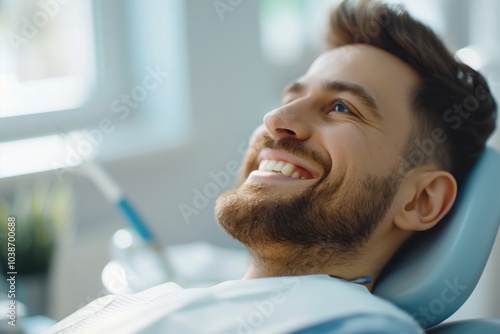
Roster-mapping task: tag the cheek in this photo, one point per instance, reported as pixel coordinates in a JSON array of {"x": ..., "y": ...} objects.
[
  {"x": 347, "y": 146},
  {"x": 357, "y": 150}
]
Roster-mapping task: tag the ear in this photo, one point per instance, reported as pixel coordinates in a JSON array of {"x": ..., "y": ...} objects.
[{"x": 429, "y": 197}]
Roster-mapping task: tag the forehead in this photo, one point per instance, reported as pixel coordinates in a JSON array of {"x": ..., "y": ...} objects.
[
  {"x": 363, "y": 62},
  {"x": 367, "y": 66}
]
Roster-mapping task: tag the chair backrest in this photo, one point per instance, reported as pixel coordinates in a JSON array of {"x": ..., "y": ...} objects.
[{"x": 436, "y": 272}]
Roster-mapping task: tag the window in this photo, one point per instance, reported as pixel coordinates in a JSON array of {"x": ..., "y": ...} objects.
[
  {"x": 47, "y": 56},
  {"x": 113, "y": 70}
]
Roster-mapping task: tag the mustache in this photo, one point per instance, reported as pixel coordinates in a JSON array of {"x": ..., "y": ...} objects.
[{"x": 292, "y": 146}]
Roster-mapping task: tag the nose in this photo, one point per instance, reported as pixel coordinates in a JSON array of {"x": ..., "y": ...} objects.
[{"x": 288, "y": 121}]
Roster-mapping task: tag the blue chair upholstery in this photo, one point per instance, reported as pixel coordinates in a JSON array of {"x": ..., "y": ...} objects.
[
  {"x": 479, "y": 326},
  {"x": 436, "y": 271}
]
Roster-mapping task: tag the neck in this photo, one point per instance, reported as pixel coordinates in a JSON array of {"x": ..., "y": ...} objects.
[{"x": 280, "y": 260}]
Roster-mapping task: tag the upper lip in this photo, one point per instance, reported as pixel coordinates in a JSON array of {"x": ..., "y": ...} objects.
[{"x": 279, "y": 155}]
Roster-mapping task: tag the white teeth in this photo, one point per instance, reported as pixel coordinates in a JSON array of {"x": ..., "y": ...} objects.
[
  {"x": 270, "y": 165},
  {"x": 263, "y": 164},
  {"x": 279, "y": 166},
  {"x": 285, "y": 168}
]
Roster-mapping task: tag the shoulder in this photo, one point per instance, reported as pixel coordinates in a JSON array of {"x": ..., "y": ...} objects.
[
  {"x": 332, "y": 301},
  {"x": 363, "y": 324},
  {"x": 320, "y": 299}
]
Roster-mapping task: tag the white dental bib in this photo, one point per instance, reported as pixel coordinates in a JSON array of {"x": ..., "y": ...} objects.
[{"x": 263, "y": 305}]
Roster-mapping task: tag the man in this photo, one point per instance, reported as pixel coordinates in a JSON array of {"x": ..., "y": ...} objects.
[{"x": 370, "y": 146}]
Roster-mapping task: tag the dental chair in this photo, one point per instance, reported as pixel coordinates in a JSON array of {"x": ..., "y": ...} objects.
[{"x": 436, "y": 271}]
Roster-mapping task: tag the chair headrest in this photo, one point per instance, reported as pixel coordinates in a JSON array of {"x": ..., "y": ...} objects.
[{"x": 435, "y": 273}]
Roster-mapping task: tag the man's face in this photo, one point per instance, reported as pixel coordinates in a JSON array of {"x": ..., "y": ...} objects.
[{"x": 322, "y": 170}]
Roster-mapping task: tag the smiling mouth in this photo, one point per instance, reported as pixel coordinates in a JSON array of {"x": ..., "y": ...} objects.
[{"x": 285, "y": 168}]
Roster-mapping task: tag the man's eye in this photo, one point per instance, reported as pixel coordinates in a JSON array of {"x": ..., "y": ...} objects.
[{"x": 338, "y": 106}]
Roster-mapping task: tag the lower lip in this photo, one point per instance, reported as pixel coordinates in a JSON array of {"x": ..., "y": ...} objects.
[{"x": 258, "y": 175}]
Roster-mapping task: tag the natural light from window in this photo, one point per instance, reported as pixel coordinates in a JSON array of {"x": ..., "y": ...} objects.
[{"x": 47, "y": 55}]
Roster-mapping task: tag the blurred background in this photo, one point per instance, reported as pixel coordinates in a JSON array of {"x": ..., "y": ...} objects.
[{"x": 163, "y": 94}]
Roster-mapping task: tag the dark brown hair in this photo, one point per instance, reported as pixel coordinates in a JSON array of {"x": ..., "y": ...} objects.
[{"x": 452, "y": 101}]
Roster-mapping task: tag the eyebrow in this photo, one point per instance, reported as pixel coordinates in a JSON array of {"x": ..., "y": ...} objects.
[{"x": 341, "y": 86}]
